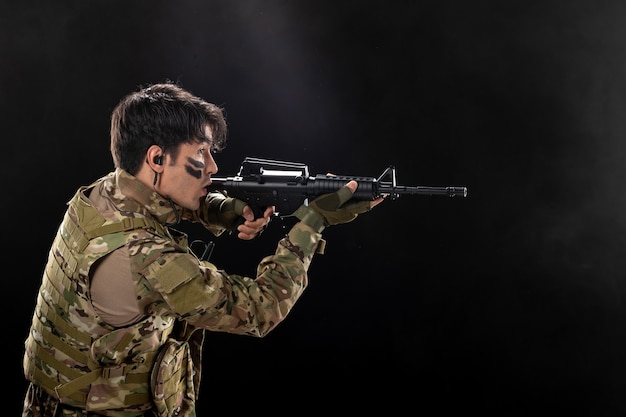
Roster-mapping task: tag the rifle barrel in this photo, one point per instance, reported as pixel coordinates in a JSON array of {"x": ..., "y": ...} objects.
[{"x": 398, "y": 190}]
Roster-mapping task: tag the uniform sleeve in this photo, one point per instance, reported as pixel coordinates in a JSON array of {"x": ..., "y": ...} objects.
[{"x": 209, "y": 298}]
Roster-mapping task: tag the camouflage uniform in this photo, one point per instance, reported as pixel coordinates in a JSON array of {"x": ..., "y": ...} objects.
[{"x": 83, "y": 366}]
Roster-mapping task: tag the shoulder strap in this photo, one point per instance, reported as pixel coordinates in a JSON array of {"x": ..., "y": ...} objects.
[{"x": 126, "y": 224}]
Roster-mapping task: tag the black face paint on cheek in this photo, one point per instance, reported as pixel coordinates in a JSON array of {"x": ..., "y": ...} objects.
[{"x": 196, "y": 173}]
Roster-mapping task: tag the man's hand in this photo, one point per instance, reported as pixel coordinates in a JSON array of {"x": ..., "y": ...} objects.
[
  {"x": 334, "y": 208},
  {"x": 252, "y": 227},
  {"x": 352, "y": 185}
]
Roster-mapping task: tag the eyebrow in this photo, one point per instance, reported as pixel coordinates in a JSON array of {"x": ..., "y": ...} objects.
[{"x": 205, "y": 138}]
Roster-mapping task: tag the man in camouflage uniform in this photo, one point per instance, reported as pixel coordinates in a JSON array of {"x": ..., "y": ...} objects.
[{"x": 123, "y": 304}]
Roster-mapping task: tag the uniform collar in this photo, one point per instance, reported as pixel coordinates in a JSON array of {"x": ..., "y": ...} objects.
[{"x": 143, "y": 198}]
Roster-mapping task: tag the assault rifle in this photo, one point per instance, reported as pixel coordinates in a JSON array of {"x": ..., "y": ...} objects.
[{"x": 287, "y": 185}]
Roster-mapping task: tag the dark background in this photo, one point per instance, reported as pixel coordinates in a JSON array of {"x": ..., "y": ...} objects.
[{"x": 507, "y": 302}]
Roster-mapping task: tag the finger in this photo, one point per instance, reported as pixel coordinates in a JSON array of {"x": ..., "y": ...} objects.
[
  {"x": 258, "y": 223},
  {"x": 376, "y": 202},
  {"x": 346, "y": 192},
  {"x": 269, "y": 212},
  {"x": 253, "y": 227},
  {"x": 245, "y": 236},
  {"x": 248, "y": 214},
  {"x": 249, "y": 229},
  {"x": 359, "y": 207},
  {"x": 352, "y": 185}
]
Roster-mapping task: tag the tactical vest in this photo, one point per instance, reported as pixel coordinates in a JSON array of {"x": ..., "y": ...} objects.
[{"x": 70, "y": 352}]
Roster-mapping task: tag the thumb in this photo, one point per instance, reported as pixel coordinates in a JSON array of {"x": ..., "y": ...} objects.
[
  {"x": 352, "y": 185},
  {"x": 247, "y": 213}
]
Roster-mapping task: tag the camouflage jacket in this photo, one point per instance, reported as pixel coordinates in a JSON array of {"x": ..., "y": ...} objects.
[{"x": 86, "y": 363}]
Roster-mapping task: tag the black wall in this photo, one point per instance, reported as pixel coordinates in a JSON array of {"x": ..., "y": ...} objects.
[{"x": 506, "y": 302}]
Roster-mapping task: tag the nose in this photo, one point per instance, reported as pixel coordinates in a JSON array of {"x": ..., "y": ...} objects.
[{"x": 211, "y": 165}]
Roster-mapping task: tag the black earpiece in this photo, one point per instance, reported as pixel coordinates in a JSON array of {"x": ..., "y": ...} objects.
[{"x": 158, "y": 160}]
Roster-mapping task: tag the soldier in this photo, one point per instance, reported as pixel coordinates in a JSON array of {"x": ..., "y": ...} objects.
[{"x": 123, "y": 305}]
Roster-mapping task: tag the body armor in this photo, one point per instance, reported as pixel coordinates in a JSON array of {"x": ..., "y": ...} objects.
[
  {"x": 86, "y": 363},
  {"x": 153, "y": 364}
]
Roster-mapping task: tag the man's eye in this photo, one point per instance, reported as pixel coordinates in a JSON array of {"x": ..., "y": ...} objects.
[{"x": 201, "y": 151}]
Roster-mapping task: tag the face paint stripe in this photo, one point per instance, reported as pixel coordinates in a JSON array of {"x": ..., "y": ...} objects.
[
  {"x": 196, "y": 173},
  {"x": 197, "y": 164}
]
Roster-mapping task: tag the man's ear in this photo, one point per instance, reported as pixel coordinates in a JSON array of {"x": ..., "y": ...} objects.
[{"x": 154, "y": 157}]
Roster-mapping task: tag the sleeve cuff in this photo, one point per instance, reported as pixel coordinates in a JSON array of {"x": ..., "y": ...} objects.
[{"x": 311, "y": 218}]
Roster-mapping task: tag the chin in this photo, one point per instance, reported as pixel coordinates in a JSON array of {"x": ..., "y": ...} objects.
[{"x": 194, "y": 206}]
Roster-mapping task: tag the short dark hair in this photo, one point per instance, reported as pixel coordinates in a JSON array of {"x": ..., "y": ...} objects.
[{"x": 165, "y": 115}]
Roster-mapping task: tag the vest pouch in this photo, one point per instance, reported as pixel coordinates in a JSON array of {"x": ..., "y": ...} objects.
[{"x": 172, "y": 380}]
